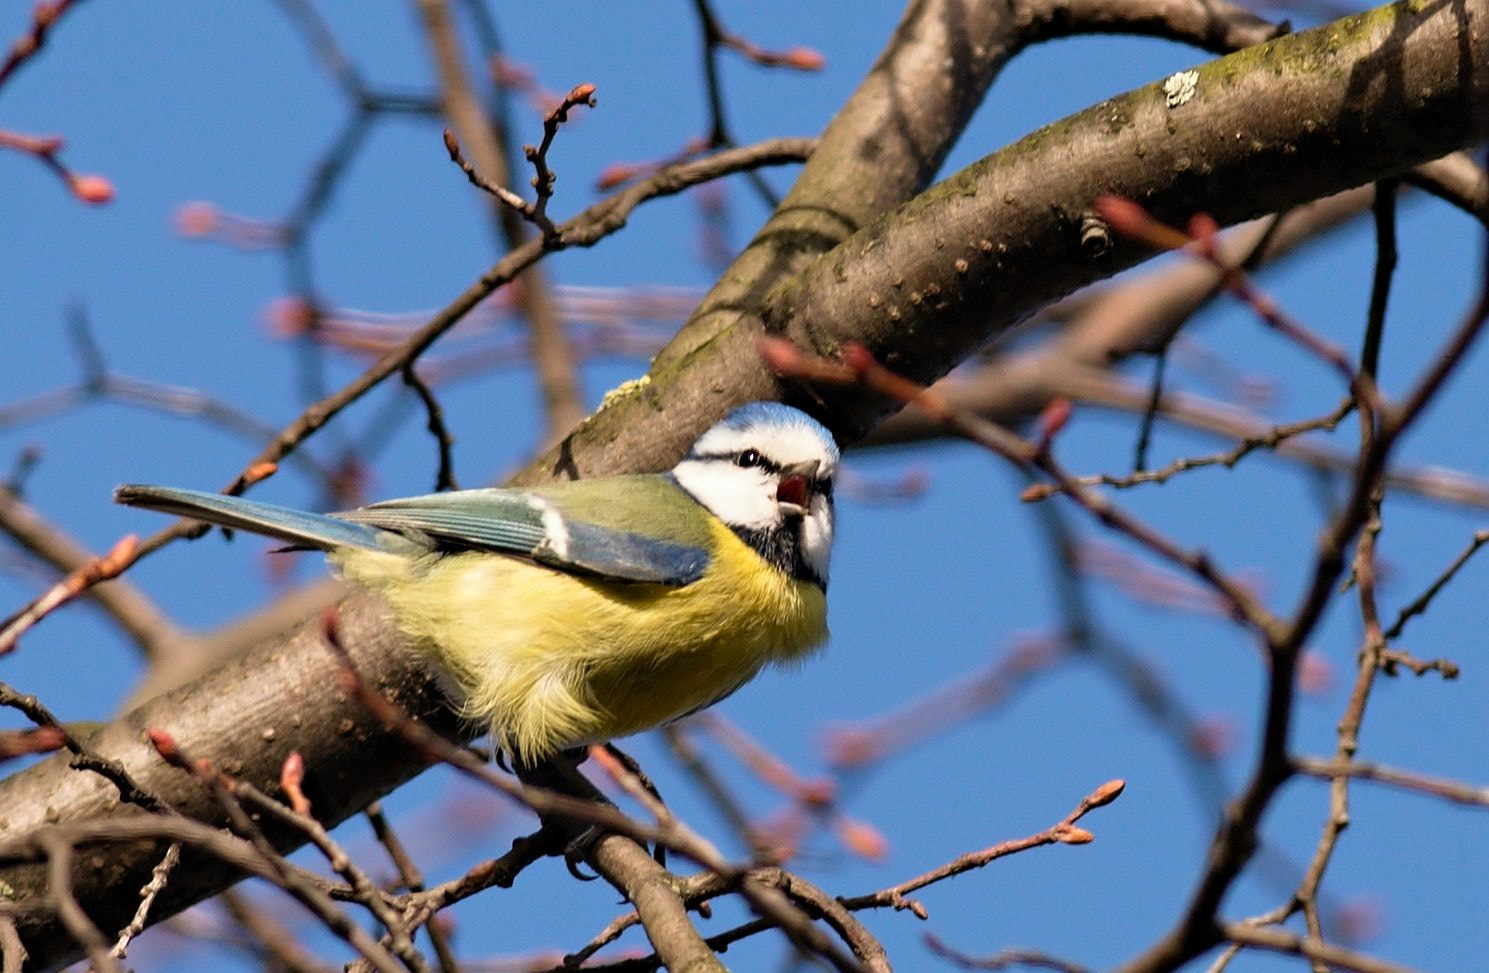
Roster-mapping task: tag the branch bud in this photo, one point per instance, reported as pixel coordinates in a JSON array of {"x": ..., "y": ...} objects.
[
  {"x": 291, "y": 776},
  {"x": 165, "y": 745},
  {"x": 94, "y": 190},
  {"x": 864, "y": 840},
  {"x": 803, "y": 59},
  {"x": 258, "y": 472},
  {"x": 1106, "y": 793}
]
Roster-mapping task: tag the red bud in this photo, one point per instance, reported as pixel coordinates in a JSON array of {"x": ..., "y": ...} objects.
[
  {"x": 291, "y": 776},
  {"x": 95, "y": 190},
  {"x": 857, "y": 357},
  {"x": 864, "y": 840},
  {"x": 258, "y": 472},
  {"x": 197, "y": 219},
  {"x": 1053, "y": 419},
  {"x": 1202, "y": 226},
  {"x": 803, "y": 59},
  {"x": 780, "y": 354},
  {"x": 164, "y": 744},
  {"x": 615, "y": 174}
]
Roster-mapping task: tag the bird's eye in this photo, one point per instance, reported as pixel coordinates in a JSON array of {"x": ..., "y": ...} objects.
[
  {"x": 824, "y": 488},
  {"x": 748, "y": 458}
]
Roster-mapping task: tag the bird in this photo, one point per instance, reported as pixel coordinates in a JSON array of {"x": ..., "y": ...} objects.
[{"x": 587, "y": 610}]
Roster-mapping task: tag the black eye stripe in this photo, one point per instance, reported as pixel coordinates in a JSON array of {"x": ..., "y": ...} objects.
[{"x": 733, "y": 457}]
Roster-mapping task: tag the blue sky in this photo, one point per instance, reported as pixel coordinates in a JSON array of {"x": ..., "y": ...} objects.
[{"x": 185, "y": 102}]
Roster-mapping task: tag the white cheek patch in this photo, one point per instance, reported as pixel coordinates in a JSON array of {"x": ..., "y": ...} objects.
[
  {"x": 739, "y": 497},
  {"x": 816, "y": 536}
]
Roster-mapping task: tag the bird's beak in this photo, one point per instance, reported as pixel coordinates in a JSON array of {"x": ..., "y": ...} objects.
[{"x": 794, "y": 492}]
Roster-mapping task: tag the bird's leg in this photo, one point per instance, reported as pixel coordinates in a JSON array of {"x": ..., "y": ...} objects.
[{"x": 561, "y": 775}]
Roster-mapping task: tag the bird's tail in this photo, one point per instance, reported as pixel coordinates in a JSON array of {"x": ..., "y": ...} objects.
[{"x": 299, "y": 527}]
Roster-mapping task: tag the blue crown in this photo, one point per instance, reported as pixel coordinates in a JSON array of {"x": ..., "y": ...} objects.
[{"x": 777, "y": 415}]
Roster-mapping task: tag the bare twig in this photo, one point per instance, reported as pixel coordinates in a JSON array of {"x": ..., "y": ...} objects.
[
  {"x": 445, "y": 478},
  {"x": 59, "y": 880},
  {"x": 535, "y": 212},
  {"x": 586, "y": 229},
  {"x": 284, "y": 875},
  {"x": 1449, "y": 790},
  {"x": 158, "y": 877},
  {"x": 1006, "y": 959},
  {"x": 716, "y": 38},
  {"x": 113, "y": 771},
  {"x": 152, "y": 632},
  {"x": 272, "y": 942},
  {"x": 43, "y": 19},
  {"x": 488, "y": 134},
  {"x": 506, "y": 196},
  {"x": 1063, "y": 832},
  {"x": 412, "y": 879},
  {"x": 1282, "y": 941},
  {"x": 93, "y": 189},
  {"x": 1269, "y": 440},
  {"x": 1419, "y": 604},
  {"x": 85, "y": 576},
  {"x": 1129, "y": 218}
]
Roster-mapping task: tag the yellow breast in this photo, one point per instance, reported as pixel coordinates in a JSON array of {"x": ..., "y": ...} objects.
[{"x": 552, "y": 660}]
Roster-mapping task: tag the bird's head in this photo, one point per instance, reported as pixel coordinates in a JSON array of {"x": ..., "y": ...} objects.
[{"x": 767, "y": 470}]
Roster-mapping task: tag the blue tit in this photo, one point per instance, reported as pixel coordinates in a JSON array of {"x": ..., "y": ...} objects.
[{"x": 582, "y": 611}]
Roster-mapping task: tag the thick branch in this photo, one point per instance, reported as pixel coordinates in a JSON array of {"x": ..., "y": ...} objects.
[
  {"x": 245, "y": 718},
  {"x": 1298, "y": 118}
]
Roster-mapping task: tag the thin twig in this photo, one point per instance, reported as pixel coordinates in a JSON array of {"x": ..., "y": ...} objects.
[
  {"x": 46, "y": 149},
  {"x": 862, "y": 369},
  {"x": 150, "y": 629},
  {"x": 1282, "y": 941},
  {"x": 1003, "y": 959},
  {"x": 284, "y": 875},
  {"x": 1062, "y": 832},
  {"x": 1449, "y": 790},
  {"x": 43, "y": 19},
  {"x": 444, "y": 479},
  {"x": 111, "y": 770},
  {"x": 412, "y": 879},
  {"x": 1253, "y": 259},
  {"x": 584, "y": 230},
  {"x": 273, "y": 944},
  {"x": 1269, "y": 440},
  {"x": 79, "y": 926},
  {"x": 97, "y": 569},
  {"x": 488, "y": 133},
  {"x": 1419, "y": 604},
  {"x": 159, "y": 875}
]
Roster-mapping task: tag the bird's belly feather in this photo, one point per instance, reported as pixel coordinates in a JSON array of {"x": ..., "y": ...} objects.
[{"x": 551, "y": 660}]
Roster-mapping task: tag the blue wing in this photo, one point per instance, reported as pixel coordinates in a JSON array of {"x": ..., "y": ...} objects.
[
  {"x": 582, "y": 527},
  {"x": 641, "y": 529}
]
